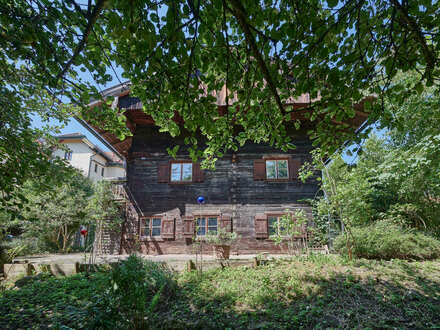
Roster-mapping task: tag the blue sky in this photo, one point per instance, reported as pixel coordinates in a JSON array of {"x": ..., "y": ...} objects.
[{"x": 73, "y": 125}]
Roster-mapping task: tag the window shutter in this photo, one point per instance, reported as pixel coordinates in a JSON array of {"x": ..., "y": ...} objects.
[
  {"x": 198, "y": 174},
  {"x": 163, "y": 173},
  {"x": 188, "y": 226},
  {"x": 259, "y": 169},
  {"x": 294, "y": 165},
  {"x": 226, "y": 223},
  {"x": 261, "y": 229},
  {"x": 167, "y": 230},
  {"x": 142, "y": 225}
]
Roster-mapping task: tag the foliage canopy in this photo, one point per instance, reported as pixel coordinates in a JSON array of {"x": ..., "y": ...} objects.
[{"x": 177, "y": 53}]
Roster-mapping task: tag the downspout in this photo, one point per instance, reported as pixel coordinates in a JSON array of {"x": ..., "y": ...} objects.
[{"x": 90, "y": 164}]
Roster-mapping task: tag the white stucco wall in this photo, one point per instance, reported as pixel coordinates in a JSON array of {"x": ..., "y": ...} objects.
[
  {"x": 85, "y": 159},
  {"x": 114, "y": 172},
  {"x": 81, "y": 154},
  {"x": 97, "y": 164}
]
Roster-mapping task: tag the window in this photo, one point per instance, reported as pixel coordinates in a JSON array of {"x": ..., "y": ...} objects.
[
  {"x": 181, "y": 172},
  {"x": 277, "y": 169},
  {"x": 68, "y": 155},
  {"x": 273, "y": 221},
  {"x": 151, "y": 227},
  {"x": 102, "y": 171},
  {"x": 206, "y": 225},
  {"x": 96, "y": 168}
]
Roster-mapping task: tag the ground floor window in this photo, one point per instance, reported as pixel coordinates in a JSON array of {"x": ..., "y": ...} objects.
[
  {"x": 151, "y": 227},
  {"x": 274, "y": 224},
  {"x": 206, "y": 225}
]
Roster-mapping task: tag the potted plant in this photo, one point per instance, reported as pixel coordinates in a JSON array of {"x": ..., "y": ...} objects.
[{"x": 221, "y": 242}]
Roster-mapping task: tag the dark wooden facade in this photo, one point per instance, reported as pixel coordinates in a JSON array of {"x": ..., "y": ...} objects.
[{"x": 237, "y": 193}]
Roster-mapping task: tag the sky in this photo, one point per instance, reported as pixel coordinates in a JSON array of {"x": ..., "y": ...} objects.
[{"x": 73, "y": 125}]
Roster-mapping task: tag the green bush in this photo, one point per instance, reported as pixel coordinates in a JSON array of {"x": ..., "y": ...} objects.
[
  {"x": 138, "y": 286},
  {"x": 384, "y": 240}
]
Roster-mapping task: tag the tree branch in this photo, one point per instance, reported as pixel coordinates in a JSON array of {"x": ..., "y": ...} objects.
[
  {"x": 428, "y": 53},
  {"x": 240, "y": 14},
  {"x": 91, "y": 21}
]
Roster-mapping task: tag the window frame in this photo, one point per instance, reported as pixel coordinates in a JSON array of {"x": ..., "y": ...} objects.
[
  {"x": 181, "y": 163},
  {"x": 277, "y": 216},
  {"x": 276, "y": 160},
  {"x": 150, "y": 227},
  {"x": 206, "y": 217},
  {"x": 68, "y": 155}
]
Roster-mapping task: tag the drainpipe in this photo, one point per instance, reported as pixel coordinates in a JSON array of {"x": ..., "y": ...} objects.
[{"x": 90, "y": 164}]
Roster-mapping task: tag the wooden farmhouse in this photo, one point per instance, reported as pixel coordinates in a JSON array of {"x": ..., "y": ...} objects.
[{"x": 247, "y": 192}]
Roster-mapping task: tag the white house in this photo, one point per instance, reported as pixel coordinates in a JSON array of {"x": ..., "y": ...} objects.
[{"x": 92, "y": 161}]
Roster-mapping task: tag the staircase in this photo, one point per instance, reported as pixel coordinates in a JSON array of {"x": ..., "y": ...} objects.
[{"x": 108, "y": 241}]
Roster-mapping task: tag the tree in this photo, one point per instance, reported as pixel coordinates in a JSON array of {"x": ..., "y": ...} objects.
[
  {"x": 178, "y": 53},
  {"x": 105, "y": 212},
  {"x": 55, "y": 215}
]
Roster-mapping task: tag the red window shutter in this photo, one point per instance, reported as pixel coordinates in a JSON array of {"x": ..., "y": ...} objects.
[
  {"x": 259, "y": 169},
  {"x": 167, "y": 230},
  {"x": 294, "y": 165},
  {"x": 261, "y": 229},
  {"x": 163, "y": 173},
  {"x": 226, "y": 223},
  {"x": 188, "y": 226},
  {"x": 198, "y": 174}
]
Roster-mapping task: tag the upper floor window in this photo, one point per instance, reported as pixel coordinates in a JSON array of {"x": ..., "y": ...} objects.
[
  {"x": 96, "y": 168},
  {"x": 206, "y": 225},
  {"x": 277, "y": 169},
  {"x": 102, "y": 171},
  {"x": 68, "y": 155},
  {"x": 181, "y": 172}
]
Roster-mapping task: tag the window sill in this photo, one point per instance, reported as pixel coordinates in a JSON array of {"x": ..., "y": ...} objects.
[
  {"x": 277, "y": 180},
  {"x": 152, "y": 239}
]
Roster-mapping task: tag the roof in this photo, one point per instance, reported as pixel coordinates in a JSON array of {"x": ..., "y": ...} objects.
[
  {"x": 71, "y": 136},
  {"x": 132, "y": 108},
  {"x": 111, "y": 157},
  {"x": 114, "y": 158}
]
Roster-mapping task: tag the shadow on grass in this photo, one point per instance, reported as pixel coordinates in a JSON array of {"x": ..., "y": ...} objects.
[
  {"x": 270, "y": 297},
  {"x": 340, "y": 301}
]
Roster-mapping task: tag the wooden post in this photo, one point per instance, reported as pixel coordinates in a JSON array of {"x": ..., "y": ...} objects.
[{"x": 190, "y": 265}]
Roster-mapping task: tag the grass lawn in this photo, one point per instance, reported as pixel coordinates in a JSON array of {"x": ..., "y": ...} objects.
[{"x": 318, "y": 292}]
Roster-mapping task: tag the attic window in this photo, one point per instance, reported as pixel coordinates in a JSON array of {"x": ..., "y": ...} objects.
[{"x": 181, "y": 172}]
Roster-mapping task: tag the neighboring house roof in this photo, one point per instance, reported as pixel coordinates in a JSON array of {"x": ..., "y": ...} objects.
[
  {"x": 111, "y": 157},
  {"x": 115, "y": 159},
  {"x": 71, "y": 136}
]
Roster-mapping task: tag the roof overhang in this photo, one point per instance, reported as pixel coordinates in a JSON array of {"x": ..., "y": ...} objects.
[{"x": 132, "y": 108}]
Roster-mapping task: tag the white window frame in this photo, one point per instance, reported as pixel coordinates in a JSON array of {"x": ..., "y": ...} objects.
[
  {"x": 277, "y": 160},
  {"x": 181, "y": 164},
  {"x": 148, "y": 226},
  {"x": 206, "y": 225}
]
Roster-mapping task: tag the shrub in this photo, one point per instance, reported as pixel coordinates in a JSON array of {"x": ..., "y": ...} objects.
[
  {"x": 384, "y": 240},
  {"x": 138, "y": 286}
]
